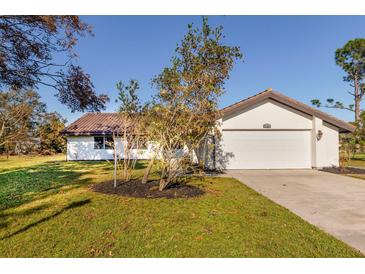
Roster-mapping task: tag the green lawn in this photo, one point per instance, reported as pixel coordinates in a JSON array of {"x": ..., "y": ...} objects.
[
  {"x": 47, "y": 210},
  {"x": 358, "y": 160}
]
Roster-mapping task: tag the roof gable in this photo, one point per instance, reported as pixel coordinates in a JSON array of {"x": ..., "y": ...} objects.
[
  {"x": 277, "y": 96},
  {"x": 268, "y": 111}
]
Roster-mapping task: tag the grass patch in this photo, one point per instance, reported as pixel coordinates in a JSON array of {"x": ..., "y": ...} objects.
[
  {"x": 353, "y": 168},
  {"x": 358, "y": 160},
  {"x": 55, "y": 214}
]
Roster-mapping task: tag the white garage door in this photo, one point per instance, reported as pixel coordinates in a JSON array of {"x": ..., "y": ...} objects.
[{"x": 266, "y": 149}]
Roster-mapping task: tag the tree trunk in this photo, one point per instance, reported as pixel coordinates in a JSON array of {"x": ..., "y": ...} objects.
[
  {"x": 357, "y": 109},
  {"x": 148, "y": 170},
  {"x": 163, "y": 184},
  {"x": 115, "y": 163},
  {"x": 126, "y": 154},
  {"x": 7, "y": 151},
  {"x": 357, "y": 100}
]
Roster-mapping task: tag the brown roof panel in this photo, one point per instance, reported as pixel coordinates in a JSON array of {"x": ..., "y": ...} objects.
[
  {"x": 94, "y": 124},
  {"x": 281, "y": 98}
]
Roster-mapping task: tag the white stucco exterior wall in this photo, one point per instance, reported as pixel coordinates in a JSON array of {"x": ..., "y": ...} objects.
[
  {"x": 269, "y": 111},
  {"x": 331, "y": 145},
  {"x": 292, "y": 134},
  {"x": 82, "y": 148},
  {"x": 325, "y": 151},
  {"x": 322, "y": 153}
]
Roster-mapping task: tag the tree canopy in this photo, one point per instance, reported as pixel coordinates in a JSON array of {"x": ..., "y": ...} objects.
[
  {"x": 28, "y": 47},
  {"x": 51, "y": 140},
  {"x": 21, "y": 113},
  {"x": 128, "y": 99},
  {"x": 351, "y": 58},
  {"x": 26, "y": 126}
]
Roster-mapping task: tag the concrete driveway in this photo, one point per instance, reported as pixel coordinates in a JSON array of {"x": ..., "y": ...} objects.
[{"x": 332, "y": 202}]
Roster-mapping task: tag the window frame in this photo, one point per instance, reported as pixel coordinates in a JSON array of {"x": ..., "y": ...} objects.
[
  {"x": 103, "y": 145},
  {"x": 107, "y": 146},
  {"x": 97, "y": 145}
]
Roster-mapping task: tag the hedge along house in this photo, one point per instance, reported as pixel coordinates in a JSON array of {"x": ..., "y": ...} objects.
[{"x": 265, "y": 131}]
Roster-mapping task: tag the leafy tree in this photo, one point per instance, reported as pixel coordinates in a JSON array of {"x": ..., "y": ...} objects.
[
  {"x": 353, "y": 142},
  {"x": 21, "y": 113},
  {"x": 27, "y": 48},
  {"x": 130, "y": 104},
  {"x": 185, "y": 110},
  {"x": 351, "y": 58},
  {"x": 51, "y": 140}
]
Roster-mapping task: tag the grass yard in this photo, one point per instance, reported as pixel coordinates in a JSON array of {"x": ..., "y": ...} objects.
[
  {"x": 47, "y": 210},
  {"x": 356, "y": 166},
  {"x": 358, "y": 160}
]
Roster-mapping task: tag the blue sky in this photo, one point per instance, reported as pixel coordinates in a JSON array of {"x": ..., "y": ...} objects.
[{"x": 291, "y": 54}]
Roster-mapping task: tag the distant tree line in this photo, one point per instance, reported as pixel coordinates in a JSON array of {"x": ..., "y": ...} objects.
[{"x": 26, "y": 126}]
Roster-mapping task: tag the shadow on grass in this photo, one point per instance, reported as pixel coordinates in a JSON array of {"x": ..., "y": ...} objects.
[
  {"x": 140, "y": 164},
  {"x": 33, "y": 224},
  {"x": 18, "y": 186},
  {"x": 26, "y": 212},
  {"x": 4, "y": 223}
]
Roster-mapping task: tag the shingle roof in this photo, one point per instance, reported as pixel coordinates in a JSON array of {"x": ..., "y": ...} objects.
[
  {"x": 277, "y": 96},
  {"x": 95, "y": 124}
]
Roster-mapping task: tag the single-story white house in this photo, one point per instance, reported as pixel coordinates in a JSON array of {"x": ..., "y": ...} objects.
[{"x": 266, "y": 131}]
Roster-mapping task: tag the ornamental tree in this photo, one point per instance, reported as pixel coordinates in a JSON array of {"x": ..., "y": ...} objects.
[
  {"x": 185, "y": 108},
  {"x": 130, "y": 113}
]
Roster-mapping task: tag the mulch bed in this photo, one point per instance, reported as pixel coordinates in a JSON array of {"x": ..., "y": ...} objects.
[
  {"x": 347, "y": 170},
  {"x": 136, "y": 189}
]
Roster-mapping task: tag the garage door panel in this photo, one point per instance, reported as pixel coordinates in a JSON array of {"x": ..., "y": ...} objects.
[{"x": 267, "y": 149}]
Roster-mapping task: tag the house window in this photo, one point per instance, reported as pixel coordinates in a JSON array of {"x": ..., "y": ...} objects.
[
  {"x": 109, "y": 142},
  {"x": 98, "y": 142},
  {"x": 103, "y": 142}
]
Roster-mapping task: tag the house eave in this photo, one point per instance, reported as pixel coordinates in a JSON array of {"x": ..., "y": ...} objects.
[
  {"x": 86, "y": 133},
  {"x": 343, "y": 126}
]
